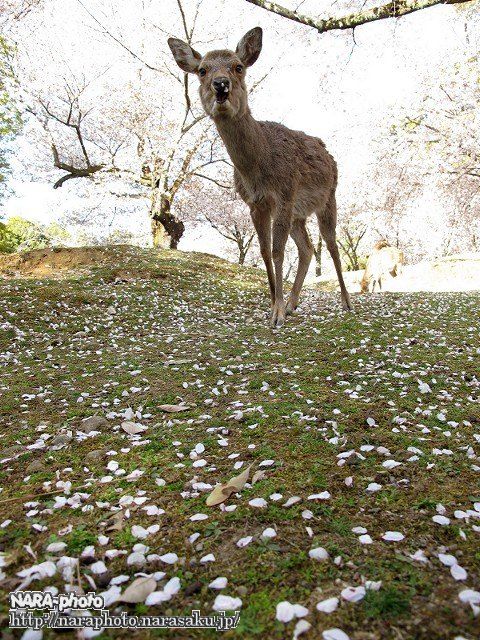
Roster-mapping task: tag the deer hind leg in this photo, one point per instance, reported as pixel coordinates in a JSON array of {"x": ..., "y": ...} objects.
[
  {"x": 280, "y": 230},
  {"x": 327, "y": 222},
  {"x": 261, "y": 218},
  {"x": 301, "y": 238}
]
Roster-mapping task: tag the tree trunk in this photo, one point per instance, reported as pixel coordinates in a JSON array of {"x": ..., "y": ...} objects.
[
  {"x": 318, "y": 256},
  {"x": 166, "y": 229}
]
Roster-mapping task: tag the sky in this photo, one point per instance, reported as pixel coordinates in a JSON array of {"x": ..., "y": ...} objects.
[{"x": 348, "y": 93}]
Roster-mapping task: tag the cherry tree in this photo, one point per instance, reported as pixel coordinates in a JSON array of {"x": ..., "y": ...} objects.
[
  {"x": 133, "y": 131},
  {"x": 220, "y": 207}
]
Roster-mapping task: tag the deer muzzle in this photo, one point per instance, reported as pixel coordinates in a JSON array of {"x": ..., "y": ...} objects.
[{"x": 221, "y": 86}]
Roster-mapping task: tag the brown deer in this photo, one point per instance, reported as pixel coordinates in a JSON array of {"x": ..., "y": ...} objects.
[
  {"x": 383, "y": 260},
  {"x": 282, "y": 175}
]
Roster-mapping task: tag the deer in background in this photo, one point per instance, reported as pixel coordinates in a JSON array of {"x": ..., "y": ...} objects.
[
  {"x": 383, "y": 260},
  {"x": 282, "y": 175}
]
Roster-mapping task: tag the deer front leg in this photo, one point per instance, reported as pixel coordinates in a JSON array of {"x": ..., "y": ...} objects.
[
  {"x": 261, "y": 218},
  {"x": 301, "y": 238},
  {"x": 280, "y": 232}
]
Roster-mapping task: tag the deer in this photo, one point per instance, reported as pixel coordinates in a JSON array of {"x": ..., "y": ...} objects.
[
  {"x": 284, "y": 176},
  {"x": 383, "y": 260}
]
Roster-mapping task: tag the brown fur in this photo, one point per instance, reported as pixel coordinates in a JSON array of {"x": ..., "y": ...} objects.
[
  {"x": 283, "y": 175},
  {"x": 384, "y": 260}
]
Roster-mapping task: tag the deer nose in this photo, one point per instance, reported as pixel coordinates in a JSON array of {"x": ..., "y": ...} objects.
[{"x": 221, "y": 85}]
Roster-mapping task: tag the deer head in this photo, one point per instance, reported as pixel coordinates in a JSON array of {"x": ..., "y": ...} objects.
[{"x": 221, "y": 73}]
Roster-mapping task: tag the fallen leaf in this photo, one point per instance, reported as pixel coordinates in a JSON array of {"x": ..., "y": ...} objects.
[
  {"x": 257, "y": 476},
  {"x": 138, "y": 590},
  {"x": 222, "y": 492},
  {"x": 116, "y": 522},
  {"x": 133, "y": 427},
  {"x": 173, "y": 408}
]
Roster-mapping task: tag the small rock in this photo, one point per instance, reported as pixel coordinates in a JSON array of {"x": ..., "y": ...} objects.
[
  {"x": 35, "y": 467},
  {"x": 94, "y": 423},
  {"x": 61, "y": 439},
  {"x": 10, "y": 451},
  {"x": 94, "y": 456}
]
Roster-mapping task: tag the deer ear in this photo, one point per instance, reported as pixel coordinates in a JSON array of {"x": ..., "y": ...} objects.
[
  {"x": 186, "y": 57},
  {"x": 249, "y": 47}
]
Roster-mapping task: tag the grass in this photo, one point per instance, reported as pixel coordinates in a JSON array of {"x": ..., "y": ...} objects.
[{"x": 305, "y": 393}]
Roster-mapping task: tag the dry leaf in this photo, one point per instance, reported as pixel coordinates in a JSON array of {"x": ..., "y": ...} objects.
[
  {"x": 238, "y": 482},
  {"x": 138, "y": 590},
  {"x": 222, "y": 492},
  {"x": 257, "y": 476},
  {"x": 173, "y": 408},
  {"x": 116, "y": 522},
  {"x": 133, "y": 427}
]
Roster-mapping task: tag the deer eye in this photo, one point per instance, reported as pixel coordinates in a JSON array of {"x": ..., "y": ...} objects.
[
  {"x": 202, "y": 72},
  {"x": 239, "y": 68}
]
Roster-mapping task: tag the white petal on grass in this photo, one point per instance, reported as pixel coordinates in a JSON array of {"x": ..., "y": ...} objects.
[
  {"x": 393, "y": 536},
  {"x": 365, "y": 539},
  {"x": 391, "y": 464},
  {"x": 300, "y": 610},
  {"x": 156, "y": 597},
  {"x": 419, "y": 556},
  {"x": 218, "y": 583},
  {"x": 441, "y": 520},
  {"x": 169, "y": 558},
  {"x": 198, "y": 517},
  {"x": 208, "y": 558},
  {"x": 227, "y": 603},
  {"x": 244, "y": 541},
  {"x": 458, "y": 572},
  {"x": 98, "y": 567},
  {"x": 319, "y": 553},
  {"x": 268, "y": 533},
  {"x": 291, "y": 501},
  {"x": 328, "y": 606},
  {"x": 32, "y": 634},
  {"x": 55, "y": 547},
  {"x": 324, "y": 495},
  {"x": 447, "y": 559},
  {"x": 259, "y": 503},
  {"x": 266, "y": 463},
  {"x": 353, "y": 594},
  {"x": 285, "y": 611},
  {"x": 334, "y": 634},
  {"x": 469, "y": 596},
  {"x": 373, "y": 487},
  {"x": 301, "y": 627},
  {"x": 173, "y": 586},
  {"x": 423, "y": 387}
]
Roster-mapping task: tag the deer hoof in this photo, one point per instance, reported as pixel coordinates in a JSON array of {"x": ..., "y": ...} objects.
[
  {"x": 346, "y": 304},
  {"x": 291, "y": 308},
  {"x": 278, "y": 315}
]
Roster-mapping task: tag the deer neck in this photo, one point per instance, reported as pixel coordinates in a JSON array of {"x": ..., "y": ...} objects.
[{"x": 242, "y": 137}]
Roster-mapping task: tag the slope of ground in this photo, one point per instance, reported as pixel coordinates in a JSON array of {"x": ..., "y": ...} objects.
[
  {"x": 366, "y": 427},
  {"x": 453, "y": 273}
]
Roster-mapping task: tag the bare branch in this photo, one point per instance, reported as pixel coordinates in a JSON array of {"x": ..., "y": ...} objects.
[
  {"x": 393, "y": 9},
  {"x": 219, "y": 184},
  {"x": 118, "y": 41}
]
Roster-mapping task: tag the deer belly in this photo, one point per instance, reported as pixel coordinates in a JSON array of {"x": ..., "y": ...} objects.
[{"x": 304, "y": 205}]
